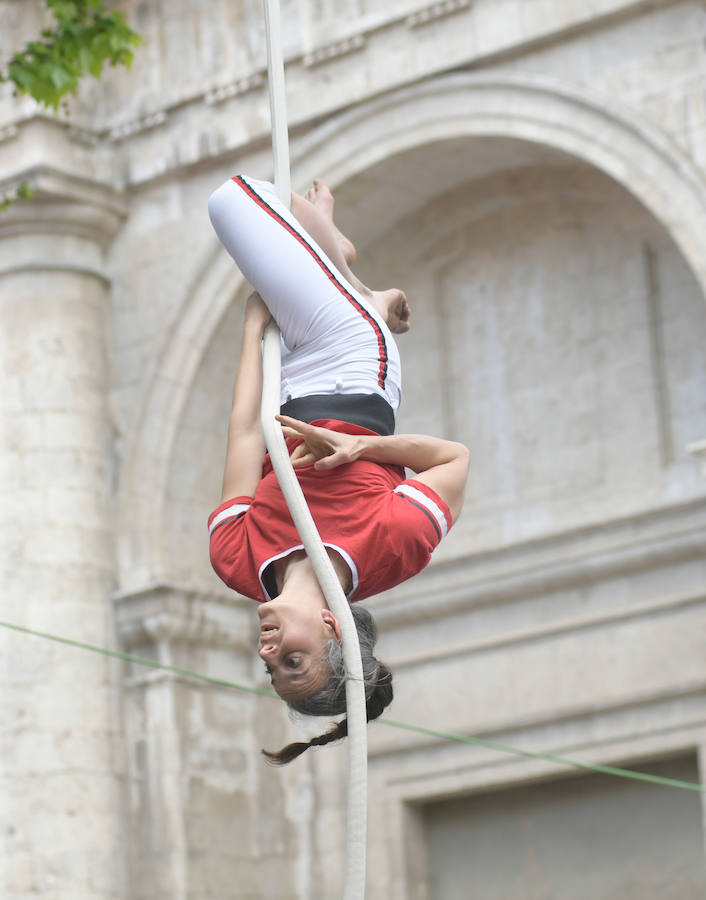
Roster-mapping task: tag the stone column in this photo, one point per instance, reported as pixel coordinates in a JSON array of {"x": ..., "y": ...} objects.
[
  {"x": 197, "y": 799},
  {"x": 701, "y": 757},
  {"x": 61, "y": 753}
]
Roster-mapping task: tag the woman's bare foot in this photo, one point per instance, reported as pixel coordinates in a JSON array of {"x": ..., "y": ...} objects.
[
  {"x": 315, "y": 212},
  {"x": 320, "y": 196}
]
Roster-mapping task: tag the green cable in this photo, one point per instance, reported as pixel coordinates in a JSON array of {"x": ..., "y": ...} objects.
[
  {"x": 141, "y": 660},
  {"x": 418, "y": 729},
  {"x": 591, "y": 767}
]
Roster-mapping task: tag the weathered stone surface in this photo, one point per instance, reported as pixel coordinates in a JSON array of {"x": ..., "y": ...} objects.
[{"x": 534, "y": 176}]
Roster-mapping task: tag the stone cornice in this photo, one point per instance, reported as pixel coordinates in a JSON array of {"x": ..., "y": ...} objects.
[
  {"x": 9, "y": 132},
  {"x": 587, "y": 555},
  {"x": 235, "y": 88},
  {"x": 641, "y": 704},
  {"x": 414, "y": 771},
  {"x": 242, "y": 119},
  {"x": 569, "y": 624},
  {"x": 144, "y": 123},
  {"x": 334, "y": 50},
  {"x": 435, "y": 11},
  {"x": 37, "y": 139},
  {"x": 176, "y": 615},
  {"x": 63, "y": 203}
]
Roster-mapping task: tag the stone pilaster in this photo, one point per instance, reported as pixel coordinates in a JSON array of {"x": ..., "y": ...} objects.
[
  {"x": 193, "y": 755},
  {"x": 701, "y": 757},
  {"x": 61, "y": 757},
  {"x": 698, "y": 450}
]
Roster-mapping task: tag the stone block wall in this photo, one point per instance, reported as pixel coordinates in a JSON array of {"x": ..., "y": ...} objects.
[{"x": 533, "y": 175}]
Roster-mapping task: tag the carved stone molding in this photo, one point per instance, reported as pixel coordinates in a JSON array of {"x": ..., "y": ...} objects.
[
  {"x": 9, "y": 132},
  {"x": 335, "y": 50},
  {"x": 573, "y": 560},
  {"x": 436, "y": 11},
  {"x": 144, "y": 123},
  {"x": 155, "y": 141},
  {"x": 235, "y": 88},
  {"x": 178, "y": 134},
  {"x": 85, "y": 136},
  {"x": 64, "y": 203},
  {"x": 174, "y": 614}
]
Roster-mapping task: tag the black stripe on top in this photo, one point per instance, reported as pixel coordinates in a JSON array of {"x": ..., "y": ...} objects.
[
  {"x": 424, "y": 510},
  {"x": 227, "y": 522}
]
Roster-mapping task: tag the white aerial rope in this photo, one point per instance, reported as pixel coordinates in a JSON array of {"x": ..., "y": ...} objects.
[{"x": 271, "y": 362}]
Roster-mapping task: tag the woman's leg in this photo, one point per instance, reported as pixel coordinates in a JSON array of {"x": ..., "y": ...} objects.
[
  {"x": 275, "y": 255},
  {"x": 326, "y": 324},
  {"x": 315, "y": 213}
]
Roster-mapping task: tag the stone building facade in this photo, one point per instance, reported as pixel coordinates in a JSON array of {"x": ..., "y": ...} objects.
[{"x": 533, "y": 173}]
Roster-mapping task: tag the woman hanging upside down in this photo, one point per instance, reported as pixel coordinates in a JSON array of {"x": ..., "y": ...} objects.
[{"x": 340, "y": 393}]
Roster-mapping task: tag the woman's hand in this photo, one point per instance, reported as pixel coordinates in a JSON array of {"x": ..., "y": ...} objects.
[
  {"x": 324, "y": 448},
  {"x": 398, "y": 314},
  {"x": 393, "y": 307}
]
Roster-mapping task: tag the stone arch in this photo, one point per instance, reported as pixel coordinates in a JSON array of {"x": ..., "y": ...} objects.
[
  {"x": 615, "y": 140},
  {"x": 148, "y": 448},
  {"x": 637, "y": 155}
]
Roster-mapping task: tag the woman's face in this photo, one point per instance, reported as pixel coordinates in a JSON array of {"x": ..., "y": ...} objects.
[{"x": 292, "y": 644}]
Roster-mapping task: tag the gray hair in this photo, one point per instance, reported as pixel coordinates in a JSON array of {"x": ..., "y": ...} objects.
[{"x": 331, "y": 699}]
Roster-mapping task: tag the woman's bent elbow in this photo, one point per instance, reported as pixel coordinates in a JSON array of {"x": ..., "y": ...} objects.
[{"x": 462, "y": 454}]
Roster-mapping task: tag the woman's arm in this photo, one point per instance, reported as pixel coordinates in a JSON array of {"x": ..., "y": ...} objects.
[
  {"x": 440, "y": 464},
  {"x": 245, "y": 451}
]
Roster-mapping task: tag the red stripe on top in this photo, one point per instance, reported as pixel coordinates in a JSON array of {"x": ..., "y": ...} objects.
[{"x": 382, "y": 346}]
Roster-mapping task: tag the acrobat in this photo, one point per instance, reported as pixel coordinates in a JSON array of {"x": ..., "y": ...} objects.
[{"x": 341, "y": 388}]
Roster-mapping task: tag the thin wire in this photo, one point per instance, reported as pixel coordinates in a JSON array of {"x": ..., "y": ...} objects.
[
  {"x": 140, "y": 660},
  {"x": 418, "y": 729},
  {"x": 591, "y": 767}
]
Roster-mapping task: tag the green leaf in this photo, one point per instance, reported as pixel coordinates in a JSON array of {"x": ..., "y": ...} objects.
[
  {"x": 64, "y": 11},
  {"x": 85, "y": 37},
  {"x": 83, "y": 57},
  {"x": 23, "y": 192},
  {"x": 60, "y": 77}
]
